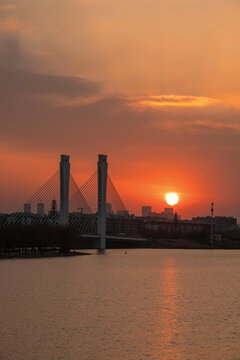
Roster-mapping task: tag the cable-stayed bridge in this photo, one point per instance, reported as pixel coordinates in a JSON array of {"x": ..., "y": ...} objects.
[{"x": 95, "y": 209}]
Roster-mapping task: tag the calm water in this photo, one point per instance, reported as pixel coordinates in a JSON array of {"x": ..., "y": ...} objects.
[{"x": 147, "y": 304}]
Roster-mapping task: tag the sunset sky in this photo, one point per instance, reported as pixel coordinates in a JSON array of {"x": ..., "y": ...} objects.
[{"x": 154, "y": 84}]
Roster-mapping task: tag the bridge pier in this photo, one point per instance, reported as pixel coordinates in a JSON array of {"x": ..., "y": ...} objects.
[
  {"x": 102, "y": 193},
  {"x": 64, "y": 190}
]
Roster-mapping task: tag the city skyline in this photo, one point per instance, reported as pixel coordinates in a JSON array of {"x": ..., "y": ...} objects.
[
  {"x": 155, "y": 85},
  {"x": 163, "y": 206}
]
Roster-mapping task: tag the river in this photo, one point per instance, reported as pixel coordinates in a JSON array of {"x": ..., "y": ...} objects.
[{"x": 143, "y": 304}]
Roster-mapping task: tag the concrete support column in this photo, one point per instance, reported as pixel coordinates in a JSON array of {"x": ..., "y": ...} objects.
[
  {"x": 102, "y": 193},
  {"x": 64, "y": 189}
]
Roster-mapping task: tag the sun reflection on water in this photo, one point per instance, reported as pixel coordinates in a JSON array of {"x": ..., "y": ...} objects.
[{"x": 167, "y": 329}]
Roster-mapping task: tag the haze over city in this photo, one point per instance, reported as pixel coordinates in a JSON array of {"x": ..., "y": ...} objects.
[{"x": 153, "y": 84}]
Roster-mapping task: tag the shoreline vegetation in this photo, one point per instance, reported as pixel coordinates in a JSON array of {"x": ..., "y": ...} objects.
[
  {"x": 35, "y": 241},
  {"x": 50, "y": 254}
]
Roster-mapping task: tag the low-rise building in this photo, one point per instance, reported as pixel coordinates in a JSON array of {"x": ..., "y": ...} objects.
[{"x": 221, "y": 222}]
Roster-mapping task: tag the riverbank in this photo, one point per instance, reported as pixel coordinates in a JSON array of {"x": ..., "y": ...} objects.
[{"x": 193, "y": 244}]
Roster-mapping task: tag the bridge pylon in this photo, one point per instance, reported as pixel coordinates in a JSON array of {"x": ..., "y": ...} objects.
[
  {"x": 102, "y": 194},
  {"x": 64, "y": 190}
]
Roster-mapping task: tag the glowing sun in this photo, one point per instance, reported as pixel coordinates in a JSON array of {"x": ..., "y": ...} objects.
[{"x": 172, "y": 198}]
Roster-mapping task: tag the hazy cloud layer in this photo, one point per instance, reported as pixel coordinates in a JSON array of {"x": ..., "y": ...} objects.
[{"x": 143, "y": 81}]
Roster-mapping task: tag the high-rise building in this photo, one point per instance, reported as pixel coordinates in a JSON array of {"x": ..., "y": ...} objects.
[
  {"x": 40, "y": 209},
  {"x": 146, "y": 211},
  {"x": 109, "y": 210},
  {"x": 27, "y": 208},
  {"x": 168, "y": 213},
  {"x": 53, "y": 212},
  {"x": 54, "y": 206}
]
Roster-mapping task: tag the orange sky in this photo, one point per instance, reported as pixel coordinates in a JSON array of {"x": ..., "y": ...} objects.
[{"x": 153, "y": 84}]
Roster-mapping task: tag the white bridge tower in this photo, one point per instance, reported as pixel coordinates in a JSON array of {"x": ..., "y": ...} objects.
[
  {"x": 102, "y": 193},
  {"x": 64, "y": 190}
]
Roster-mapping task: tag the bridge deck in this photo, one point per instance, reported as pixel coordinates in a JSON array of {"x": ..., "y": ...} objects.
[{"x": 114, "y": 237}]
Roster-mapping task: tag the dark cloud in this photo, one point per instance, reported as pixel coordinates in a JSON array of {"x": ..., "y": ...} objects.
[
  {"x": 11, "y": 55},
  {"x": 15, "y": 80}
]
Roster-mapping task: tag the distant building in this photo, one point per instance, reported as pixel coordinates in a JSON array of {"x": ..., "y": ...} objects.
[
  {"x": 146, "y": 211},
  {"x": 40, "y": 209},
  {"x": 160, "y": 228},
  {"x": 202, "y": 219},
  {"x": 109, "y": 210},
  {"x": 123, "y": 213},
  {"x": 53, "y": 212},
  {"x": 168, "y": 213},
  {"x": 221, "y": 222},
  {"x": 27, "y": 208},
  {"x": 54, "y": 206},
  {"x": 225, "y": 222}
]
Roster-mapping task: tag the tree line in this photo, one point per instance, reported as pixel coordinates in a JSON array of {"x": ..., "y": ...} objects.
[{"x": 37, "y": 239}]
